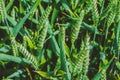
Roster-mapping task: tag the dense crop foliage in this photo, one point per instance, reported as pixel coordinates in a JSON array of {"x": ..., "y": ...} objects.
[{"x": 59, "y": 39}]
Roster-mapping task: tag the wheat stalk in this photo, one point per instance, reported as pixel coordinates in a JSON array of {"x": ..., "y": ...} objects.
[{"x": 64, "y": 64}]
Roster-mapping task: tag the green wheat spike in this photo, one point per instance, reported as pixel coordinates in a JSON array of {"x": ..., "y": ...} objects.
[
  {"x": 76, "y": 28},
  {"x": 78, "y": 65},
  {"x": 4, "y": 14},
  {"x": 81, "y": 66},
  {"x": 103, "y": 75},
  {"x": 2, "y": 10},
  {"x": 110, "y": 20},
  {"x": 106, "y": 10},
  {"x": 86, "y": 57},
  {"x": 118, "y": 12},
  {"x": 42, "y": 36},
  {"x": 44, "y": 17},
  {"x": 28, "y": 55},
  {"x": 14, "y": 46},
  {"x": 95, "y": 14}
]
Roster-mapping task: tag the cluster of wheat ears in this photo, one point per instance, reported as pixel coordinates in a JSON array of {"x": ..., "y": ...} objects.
[{"x": 59, "y": 39}]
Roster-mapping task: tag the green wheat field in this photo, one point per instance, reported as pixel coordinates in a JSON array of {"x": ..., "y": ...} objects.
[{"x": 59, "y": 39}]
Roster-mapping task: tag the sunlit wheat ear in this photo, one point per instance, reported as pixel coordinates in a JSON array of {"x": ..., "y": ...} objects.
[
  {"x": 117, "y": 18},
  {"x": 108, "y": 9},
  {"x": 42, "y": 35},
  {"x": 14, "y": 46},
  {"x": 112, "y": 14},
  {"x": 24, "y": 43},
  {"x": 110, "y": 20},
  {"x": 44, "y": 17},
  {"x": 82, "y": 77},
  {"x": 76, "y": 28},
  {"x": 95, "y": 14},
  {"x": 86, "y": 57},
  {"x": 2, "y": 9},
  {"x": 82, "y": 64},
  {"x": 78, "y": 65},
  {"x": 28, "y": 56},
  {"x": 103, "y": 75}
]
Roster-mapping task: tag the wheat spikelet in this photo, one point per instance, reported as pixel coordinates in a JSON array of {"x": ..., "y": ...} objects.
[
  {"x": 82, "y": 77},
  {"x": 108, "y": 9},
  {"x": 44, "y": 17},
  {"x": 42, "y": 36},
  {"x": 82, "y": 64},
  {"x": 2, "y": 9},
  {"x": 43, "y": 25},
  {"x": 95, "y": 14},
  {"x": 103, "y": 75},
  {"x": 111, "y": 16},
  {"x": 24, "y": 43},
  {"x": 14, "y": 46},
  {"x": 78, "y": 65},
  {"x": 76, "y": 28},
  {"x": 110, "y": 20},
  {"x": 118, "y": 12},
  {"x": 86, "y": 64},
  {"x": 28, "y": 55},
  {"x": 86, "y": 57}
]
